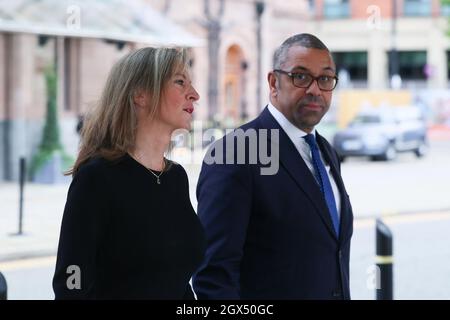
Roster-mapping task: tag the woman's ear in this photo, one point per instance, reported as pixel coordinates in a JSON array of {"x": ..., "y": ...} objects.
[{"x": 140, "y": 99}]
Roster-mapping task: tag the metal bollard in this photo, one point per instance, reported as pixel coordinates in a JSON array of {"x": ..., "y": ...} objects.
[
  {"x": 3, "y": 288},
  {"x": 384, "y": 261},
  {"x": 22, "y": 175}
]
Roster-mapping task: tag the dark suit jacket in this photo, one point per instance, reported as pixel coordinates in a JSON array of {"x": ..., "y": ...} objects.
[{"x": 271, "y": 236}]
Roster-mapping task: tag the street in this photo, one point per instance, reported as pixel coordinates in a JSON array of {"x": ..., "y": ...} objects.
[
  {"x": 421, "y": 256},
  {"x": 29, "y": 279},
  {"x": 406, "y": 185},
  {"x": 421, "y": 261}
]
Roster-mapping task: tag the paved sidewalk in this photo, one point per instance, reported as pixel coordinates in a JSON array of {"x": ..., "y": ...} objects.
[{"x": 42, "y": 213}]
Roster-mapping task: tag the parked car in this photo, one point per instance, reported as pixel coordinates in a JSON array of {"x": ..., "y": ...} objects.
[{"x": 382, "y": 133}]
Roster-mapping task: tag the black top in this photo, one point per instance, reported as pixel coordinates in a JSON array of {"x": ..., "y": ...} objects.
[{"x": 130, "y": 237}]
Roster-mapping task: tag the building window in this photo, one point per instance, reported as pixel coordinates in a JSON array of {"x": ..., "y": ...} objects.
[
  {"x": 411, "y": 65},
  {"x": 353, "y": 63},
  {"x": 335, "y": 9},
  {"x": 417, "y": 8}
]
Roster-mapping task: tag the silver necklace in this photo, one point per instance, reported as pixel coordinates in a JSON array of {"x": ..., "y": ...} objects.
[
  {"x": 158, "y": 181},
  {"x": 157, "y": 175}
]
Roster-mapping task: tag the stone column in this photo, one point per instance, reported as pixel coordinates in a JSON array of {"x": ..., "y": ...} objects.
[
  {"x": 377, "y": 61},
  {"x": 20, "y": 75},
  {"x": 437, "y": 57}
]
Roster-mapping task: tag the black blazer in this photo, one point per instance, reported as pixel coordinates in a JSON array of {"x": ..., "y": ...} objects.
[{"x": 271, "y": 236}]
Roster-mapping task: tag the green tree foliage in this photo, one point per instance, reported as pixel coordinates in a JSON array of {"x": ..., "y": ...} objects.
[{"x": 50, "y": 139}]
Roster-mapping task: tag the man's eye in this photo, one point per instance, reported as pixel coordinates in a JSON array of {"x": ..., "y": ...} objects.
[
  {"x": 301, "y": 76},
  {"x": 325, "y": 78}
]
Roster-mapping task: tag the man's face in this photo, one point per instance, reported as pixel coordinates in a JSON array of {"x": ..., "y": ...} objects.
[{"x": 303, "y": 107}]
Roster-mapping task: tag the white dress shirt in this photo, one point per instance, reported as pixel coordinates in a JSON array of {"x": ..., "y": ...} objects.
[{"x": 296, "y": 135}]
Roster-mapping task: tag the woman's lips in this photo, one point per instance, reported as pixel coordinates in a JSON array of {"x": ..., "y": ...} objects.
[{"x": 189, "y": 110}]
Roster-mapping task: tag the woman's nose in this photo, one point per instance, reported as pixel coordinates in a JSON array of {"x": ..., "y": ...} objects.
[{"x": 193, "y": 95}]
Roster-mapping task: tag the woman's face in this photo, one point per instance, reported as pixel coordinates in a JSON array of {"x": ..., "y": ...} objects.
[{"x": 177, "y": 101}]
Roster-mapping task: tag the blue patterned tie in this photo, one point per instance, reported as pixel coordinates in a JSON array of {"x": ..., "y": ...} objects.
[{"x": 323, "y": 180}]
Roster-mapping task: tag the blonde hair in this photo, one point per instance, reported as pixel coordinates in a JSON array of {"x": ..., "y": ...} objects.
[{"x": 109, "y": 131}]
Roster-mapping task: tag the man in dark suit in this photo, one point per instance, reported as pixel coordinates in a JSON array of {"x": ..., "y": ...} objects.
[{"x": 284, "y": 235}]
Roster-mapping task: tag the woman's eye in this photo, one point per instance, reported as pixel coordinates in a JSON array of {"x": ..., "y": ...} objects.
[{"x": 180, "y": 82}]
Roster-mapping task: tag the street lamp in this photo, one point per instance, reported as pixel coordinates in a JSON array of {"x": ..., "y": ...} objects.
[
  {"x": 244, "y": 67},
  {"x": 394, "y": 76},
  {"x": 259, "y": 6}
]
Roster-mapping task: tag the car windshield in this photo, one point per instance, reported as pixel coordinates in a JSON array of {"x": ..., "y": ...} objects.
[{"x": 365, "y": 119}]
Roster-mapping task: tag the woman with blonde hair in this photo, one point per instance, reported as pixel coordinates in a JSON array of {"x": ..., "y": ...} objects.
[{"x": 129, "y": 230}]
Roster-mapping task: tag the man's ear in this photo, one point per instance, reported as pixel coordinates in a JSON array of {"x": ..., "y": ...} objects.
[{"x": 273, "y": 83}]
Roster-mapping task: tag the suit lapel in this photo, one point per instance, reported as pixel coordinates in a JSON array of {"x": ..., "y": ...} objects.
[{"x": 294, "y": 164}]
